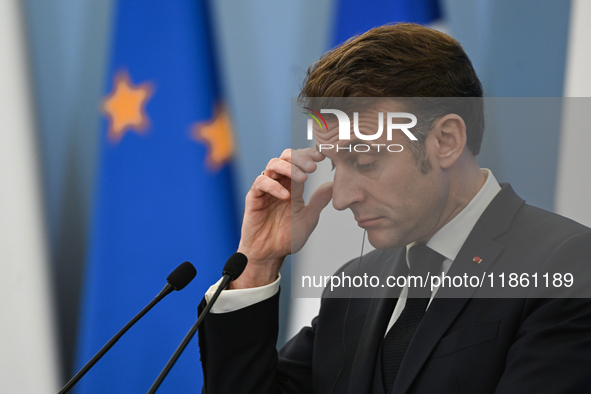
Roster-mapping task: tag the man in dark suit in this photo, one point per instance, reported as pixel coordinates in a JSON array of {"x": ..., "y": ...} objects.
[{"x": 429, "y": 210}]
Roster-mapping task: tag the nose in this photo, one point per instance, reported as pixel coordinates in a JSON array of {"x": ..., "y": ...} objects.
[{"x": 345, "y": 190}]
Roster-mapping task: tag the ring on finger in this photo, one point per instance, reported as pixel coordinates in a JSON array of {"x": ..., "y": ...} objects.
[{"x": 263, "y": 173}]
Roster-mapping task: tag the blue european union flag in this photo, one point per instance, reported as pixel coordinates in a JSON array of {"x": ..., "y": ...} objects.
[
  {"x": 164, "y": 195},
  {"x": 353, "y": 17}
]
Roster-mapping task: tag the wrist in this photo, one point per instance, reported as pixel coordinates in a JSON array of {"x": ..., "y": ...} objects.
[{"x": 257, "y": 274}]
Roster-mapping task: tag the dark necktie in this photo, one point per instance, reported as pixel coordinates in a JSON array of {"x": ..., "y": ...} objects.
[{"x": 422, "y": 260}]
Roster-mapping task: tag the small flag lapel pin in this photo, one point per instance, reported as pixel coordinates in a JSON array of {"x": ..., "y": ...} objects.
[{"x": 477, "y": 259}]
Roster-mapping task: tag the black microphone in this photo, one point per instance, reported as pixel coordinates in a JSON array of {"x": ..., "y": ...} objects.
[
  {"x": 232, "y": 270},
  {"x": 177, "y": 280}
]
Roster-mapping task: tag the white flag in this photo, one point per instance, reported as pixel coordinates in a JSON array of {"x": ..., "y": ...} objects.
[{"x": 28, "y": 357}]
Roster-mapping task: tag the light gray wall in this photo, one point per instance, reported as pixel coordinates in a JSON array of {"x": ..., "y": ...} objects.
[{"x": 518, "y": 49}]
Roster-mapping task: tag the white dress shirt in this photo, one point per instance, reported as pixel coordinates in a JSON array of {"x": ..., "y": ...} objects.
[
  {"x": 450, "y": 238},
  {"x": 447, "y": 241}
]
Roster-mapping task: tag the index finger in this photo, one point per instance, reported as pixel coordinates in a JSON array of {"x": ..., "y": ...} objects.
[{"x": 305, "y": 159}]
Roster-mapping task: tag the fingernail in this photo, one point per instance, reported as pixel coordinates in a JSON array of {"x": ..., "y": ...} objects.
[{"x": 284, "y": 193}]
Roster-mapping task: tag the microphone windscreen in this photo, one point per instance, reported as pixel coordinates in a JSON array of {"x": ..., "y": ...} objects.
[
  {"x": 235, "y": 265},
  {"x": 182, "y": 276}
]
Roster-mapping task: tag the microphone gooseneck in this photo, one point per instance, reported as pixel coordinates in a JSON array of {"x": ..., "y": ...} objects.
[
  {"x": 232, "y": 270},
  {"x": 177, "y": 280}
]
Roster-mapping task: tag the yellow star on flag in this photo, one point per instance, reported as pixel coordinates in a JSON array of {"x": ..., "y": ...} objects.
[
  {"x": 217, "y": 135},
  {"x": 126, "y": 106}
]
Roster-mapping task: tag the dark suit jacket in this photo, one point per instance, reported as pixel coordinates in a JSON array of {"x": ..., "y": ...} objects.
[{"x": 462, "y": 345}]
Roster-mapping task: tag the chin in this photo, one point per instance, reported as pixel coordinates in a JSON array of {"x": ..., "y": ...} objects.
[{"x": 382, "y": 241}]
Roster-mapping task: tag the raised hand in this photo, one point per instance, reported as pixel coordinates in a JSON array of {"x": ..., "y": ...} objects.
[{"x": 277, "y": 221}]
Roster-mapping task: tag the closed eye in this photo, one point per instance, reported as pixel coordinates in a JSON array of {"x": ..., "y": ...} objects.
[{"x": 366, "y": 167}]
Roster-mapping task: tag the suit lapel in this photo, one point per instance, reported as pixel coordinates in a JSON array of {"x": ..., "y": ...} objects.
[
  {"x": 374, "y": 327},
  {"x": 444, "y": 310}
]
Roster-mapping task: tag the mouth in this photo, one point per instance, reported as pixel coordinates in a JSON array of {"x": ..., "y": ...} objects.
[{"x": 368, "y": 222}]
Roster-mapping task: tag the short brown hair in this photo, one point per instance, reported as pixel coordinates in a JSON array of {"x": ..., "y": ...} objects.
[{"x": 403, "y": 60}]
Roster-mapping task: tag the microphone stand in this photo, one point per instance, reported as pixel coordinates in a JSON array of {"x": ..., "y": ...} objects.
[{"x": 226, "y": 278}]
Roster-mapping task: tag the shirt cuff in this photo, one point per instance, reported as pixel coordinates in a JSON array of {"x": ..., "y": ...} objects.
[{"x": 233, "y": 300}]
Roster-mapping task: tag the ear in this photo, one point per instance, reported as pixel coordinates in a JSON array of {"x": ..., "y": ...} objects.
[{"x": 449, "y": 132}]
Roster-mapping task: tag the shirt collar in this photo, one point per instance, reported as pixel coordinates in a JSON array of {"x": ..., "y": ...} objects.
[{"x": 450, "y": 238}]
